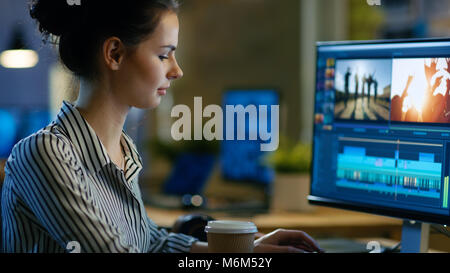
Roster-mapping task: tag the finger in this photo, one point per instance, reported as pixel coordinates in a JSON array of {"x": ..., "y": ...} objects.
[
  {"x": 297, "y": 236},
  {"x": 309, "y": 248},
  {"x": 306, "y": 247},
  {"x": 266, "y": 248},
  {"x": 312, "y": 249},
  {"x": 300, "y": 242},
  {"x": 259, "y": 235}
]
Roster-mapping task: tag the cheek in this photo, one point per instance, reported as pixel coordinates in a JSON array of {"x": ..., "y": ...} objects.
[
  {"x": 140, "y": 79},
  {"x": 151, "y": 75},
  {"x": 143, "y": 68}
]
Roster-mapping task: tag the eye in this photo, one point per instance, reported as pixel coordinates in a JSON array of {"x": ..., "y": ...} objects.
[{"x": 162, "y": 58}]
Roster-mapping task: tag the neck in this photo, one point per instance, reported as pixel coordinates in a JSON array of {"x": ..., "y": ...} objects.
[{"x": 104, "y": 114}]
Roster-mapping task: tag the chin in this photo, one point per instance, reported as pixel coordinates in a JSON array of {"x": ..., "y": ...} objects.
[
  {"x": 146, "y": 100},
  {"x": 148, "y": 104},
  {"x": 153, "y": 105}
]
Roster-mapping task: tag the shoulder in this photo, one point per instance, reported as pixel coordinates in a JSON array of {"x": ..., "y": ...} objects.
[{"x": 43, "y": 147}]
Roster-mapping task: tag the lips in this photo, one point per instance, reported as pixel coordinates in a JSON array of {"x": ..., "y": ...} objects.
[{"x": 162, "y": 91}]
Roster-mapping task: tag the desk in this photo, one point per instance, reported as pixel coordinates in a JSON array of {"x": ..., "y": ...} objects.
[
  {"x": 322, "y": 222},
  {"x": 2, "y": 170},
  {"x": 392, "y": 243}
]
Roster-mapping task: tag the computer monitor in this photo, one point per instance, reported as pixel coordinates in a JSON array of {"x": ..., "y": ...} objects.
[
  {"x": 8, "y": 131},
  {"x": 244, "y": 160},
  {"x": 381, "y": 140},
  {"x": 17, "y": 123}
]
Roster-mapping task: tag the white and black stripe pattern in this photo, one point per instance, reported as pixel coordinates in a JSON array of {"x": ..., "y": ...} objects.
[{"x": 61, "y": 186}]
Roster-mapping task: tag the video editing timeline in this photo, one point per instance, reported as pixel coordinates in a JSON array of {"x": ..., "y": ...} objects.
[
  {"x": 402, "y": 173},
  {"x": 382, "y": 126},
  {"x": 398, "y": 169}
]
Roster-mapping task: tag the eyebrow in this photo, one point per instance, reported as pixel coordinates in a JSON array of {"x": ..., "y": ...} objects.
[{"x": 172, "y": 48}]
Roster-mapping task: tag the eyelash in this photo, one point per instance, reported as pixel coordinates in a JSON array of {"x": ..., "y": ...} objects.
[{"x": 162, "y": 58}]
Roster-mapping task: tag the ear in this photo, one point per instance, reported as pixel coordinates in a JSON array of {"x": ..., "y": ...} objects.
[{"x": 113, "y": 53}]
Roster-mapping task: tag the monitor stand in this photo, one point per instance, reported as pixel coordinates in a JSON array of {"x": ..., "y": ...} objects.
[{"x": 415, "y": 236}]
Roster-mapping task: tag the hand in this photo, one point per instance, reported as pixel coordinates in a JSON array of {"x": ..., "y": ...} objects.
[
  {"x": 431, "y": 70},
  {"x": 437, "y": 83},
  {"x": 408, "y": 83},
  {"x": 447, "y": 60},
  {"x": 286, "y": 241}
]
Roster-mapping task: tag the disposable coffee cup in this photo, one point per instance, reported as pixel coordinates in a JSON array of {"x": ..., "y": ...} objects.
[{"x": 226, "y": 236}]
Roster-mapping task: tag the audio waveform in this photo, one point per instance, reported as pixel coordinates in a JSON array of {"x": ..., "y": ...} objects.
[{"x": 356, "y": 169}]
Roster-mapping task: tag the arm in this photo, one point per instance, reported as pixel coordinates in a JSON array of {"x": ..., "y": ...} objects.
[
  {"x": 405, "y": 91},
  {"x": 278, "y": 241},
  {"x": 286, "y": 241},
  {"x": 446, "y": 96},
  {"x": 430, "y": 70},
  {"x": 169, "y": 242},
  {"x": 53, "y": 185}
]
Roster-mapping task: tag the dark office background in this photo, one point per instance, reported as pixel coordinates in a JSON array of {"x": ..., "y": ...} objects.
[
  {"x": 237, "y": 43},
  {"x": 228, "y": 44}
]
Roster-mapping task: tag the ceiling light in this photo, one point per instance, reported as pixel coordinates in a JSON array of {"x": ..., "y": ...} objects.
[{"x": 17, "y": 55}]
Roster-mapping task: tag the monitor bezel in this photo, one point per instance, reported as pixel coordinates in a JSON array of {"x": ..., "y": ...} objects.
[{"x": 368, "y": 208}]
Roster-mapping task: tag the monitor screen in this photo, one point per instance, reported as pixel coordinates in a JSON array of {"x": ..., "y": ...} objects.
[
  {"x": 17, "y": 123},
  {"x": 381, "y": 140},
  {"x": 8, "y": 131},
  {"x": 242, "y": 160}
]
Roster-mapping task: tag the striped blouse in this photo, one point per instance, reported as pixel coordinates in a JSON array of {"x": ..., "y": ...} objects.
[{"x": 62, "y": 193}]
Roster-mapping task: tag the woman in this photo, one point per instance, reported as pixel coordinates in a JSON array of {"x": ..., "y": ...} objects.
[{"x": 74, "y": 183}]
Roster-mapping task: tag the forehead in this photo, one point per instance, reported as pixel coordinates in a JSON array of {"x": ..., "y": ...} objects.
[{"x": 167, "y": 30}]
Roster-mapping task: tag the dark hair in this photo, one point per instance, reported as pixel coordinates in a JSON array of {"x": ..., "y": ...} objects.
[{"x": 80, "y": 27}]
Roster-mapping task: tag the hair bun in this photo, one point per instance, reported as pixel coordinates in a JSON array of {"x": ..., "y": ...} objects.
[{"x": 56, "y": 17}]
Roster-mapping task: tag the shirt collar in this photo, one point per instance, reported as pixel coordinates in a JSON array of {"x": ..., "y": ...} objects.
[{"x": 88, "y": 144}]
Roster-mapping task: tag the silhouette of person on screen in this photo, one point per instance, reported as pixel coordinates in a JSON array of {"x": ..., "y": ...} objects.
[
  {"x": 446, "y": 113},
  {"x": 412, "y": 115},
  {"x": 356, "y": 88},
  {"x": 347, "y": 81},
  {"x": 397, "y": 102},
  {"x": 434, "y": 105}
]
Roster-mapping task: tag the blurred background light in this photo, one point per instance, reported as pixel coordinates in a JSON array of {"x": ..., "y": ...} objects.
[
  {"x": 18, "y": 55},
  {"x": 19, "y": 58}
]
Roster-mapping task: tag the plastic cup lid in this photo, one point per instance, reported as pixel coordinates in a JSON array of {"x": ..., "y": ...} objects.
[{"x": 230, "y": 227}]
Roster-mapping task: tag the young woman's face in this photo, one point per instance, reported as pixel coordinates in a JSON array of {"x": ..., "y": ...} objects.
[{"x": 146, "y": 74}]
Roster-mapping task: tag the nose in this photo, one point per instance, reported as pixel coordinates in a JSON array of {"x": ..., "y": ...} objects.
[{"x": 175, "y": 72}]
